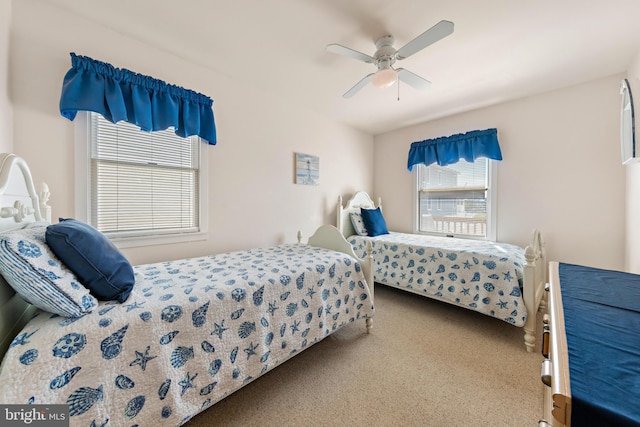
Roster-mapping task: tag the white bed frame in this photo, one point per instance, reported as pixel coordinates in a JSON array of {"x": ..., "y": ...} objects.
[
  {"x": 555, "y": 367},
  {"x": 535, "y": 268},
  {"x": 21, "y": 204}
]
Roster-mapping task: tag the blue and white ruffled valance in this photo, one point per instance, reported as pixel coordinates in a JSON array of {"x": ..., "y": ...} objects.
[
  {"x": 450, "y": 149},
  {"x": 122, "y": 95}
]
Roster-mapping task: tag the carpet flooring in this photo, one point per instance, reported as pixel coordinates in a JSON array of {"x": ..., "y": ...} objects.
[{"x": 426, "y": 363}]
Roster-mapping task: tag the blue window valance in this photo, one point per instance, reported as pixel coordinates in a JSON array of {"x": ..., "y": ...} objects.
[
  {"x": 122, "y": 95},
  {"x": 449, "y": 149}
]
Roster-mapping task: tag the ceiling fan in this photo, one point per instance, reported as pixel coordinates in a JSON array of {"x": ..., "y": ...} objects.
[{"x": 386, "y": 55}]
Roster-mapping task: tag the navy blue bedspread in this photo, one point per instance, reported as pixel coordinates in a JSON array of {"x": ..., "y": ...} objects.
[{"x": 602, "y": 324}]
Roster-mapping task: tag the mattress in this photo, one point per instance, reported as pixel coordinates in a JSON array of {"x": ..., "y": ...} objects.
[{"x": 602, "y": 326}]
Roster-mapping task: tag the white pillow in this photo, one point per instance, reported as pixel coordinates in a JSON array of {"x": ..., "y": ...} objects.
[
  {"x": 358, "y": 224},
  {"x": 31, "y": 268}
]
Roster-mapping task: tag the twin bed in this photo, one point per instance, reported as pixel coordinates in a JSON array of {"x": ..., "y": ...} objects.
[
  {"x": 500, "y": 280},
  {"x": 191, "y": 332}
]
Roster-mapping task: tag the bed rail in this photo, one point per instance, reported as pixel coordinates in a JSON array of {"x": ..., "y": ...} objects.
[{"x": 558, "y": 393}]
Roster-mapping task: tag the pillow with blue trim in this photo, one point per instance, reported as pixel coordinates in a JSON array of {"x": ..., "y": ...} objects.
[
  {"x": 30, "y": 267},
  {"x": 94, "y": 259},
  {"x": 374, "y": 221},
  {"x": 358, "y": 224}
]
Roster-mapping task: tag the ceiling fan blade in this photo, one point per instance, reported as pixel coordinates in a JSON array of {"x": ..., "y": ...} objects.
[
  {"x": 412, "y": 79},
  {"x": 341, "y": 50},
  {"x": 355, "y": 89},
  {"x": 439, "y": 31}
]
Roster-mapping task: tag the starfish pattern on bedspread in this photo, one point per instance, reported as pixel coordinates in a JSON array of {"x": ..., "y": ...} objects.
[
  {"x": 192, "y": 332},
  {"x": 479, "y": 275}
]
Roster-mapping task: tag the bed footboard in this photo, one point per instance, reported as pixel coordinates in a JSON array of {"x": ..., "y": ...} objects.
[
  {"x": 535, "y": 277},
  {"x": 329, "y": 237}
]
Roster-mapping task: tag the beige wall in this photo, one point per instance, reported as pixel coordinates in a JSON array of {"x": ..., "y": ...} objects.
[
  {"x": 253, "y": 200},
  {"x": 632, "y": 262},
  {"x": 6, "y": 114},
  {"x": 561, "y": 171}
]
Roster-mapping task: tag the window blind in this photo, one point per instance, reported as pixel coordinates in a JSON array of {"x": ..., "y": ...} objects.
[
  {"x": 461, "y": 176},
  {"x": 142, "y": 181},
  {"x": 453, "y": 198}
]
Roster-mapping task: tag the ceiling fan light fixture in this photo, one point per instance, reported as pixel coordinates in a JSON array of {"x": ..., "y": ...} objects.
[{"x": 384, "y": 78}]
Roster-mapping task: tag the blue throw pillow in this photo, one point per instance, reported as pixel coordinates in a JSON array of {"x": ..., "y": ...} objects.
[
  {"x": 374, "y": 221},
  {"x": 93, "y": 258}
]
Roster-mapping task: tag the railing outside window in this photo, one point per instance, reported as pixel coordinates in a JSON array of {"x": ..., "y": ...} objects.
[{"x": 454, "y": 199}]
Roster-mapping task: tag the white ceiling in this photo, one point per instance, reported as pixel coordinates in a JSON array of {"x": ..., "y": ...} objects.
[{"x": 500, "y": 49}]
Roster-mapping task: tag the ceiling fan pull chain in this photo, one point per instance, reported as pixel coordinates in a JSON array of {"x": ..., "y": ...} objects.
[{"x": 398, "y": 83}]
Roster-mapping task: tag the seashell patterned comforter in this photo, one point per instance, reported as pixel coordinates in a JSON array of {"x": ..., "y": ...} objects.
[
  {"x": 479, "y": 275},
  {"x": 191, "y": 332}
]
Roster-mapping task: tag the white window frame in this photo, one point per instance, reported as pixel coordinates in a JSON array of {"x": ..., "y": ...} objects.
[
  {"x": 492, "y": 196},
  {"x": 83, "y": 188}
]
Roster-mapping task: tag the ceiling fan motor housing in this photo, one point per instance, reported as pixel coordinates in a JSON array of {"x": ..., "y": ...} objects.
[{"x": 385, "y": 55}]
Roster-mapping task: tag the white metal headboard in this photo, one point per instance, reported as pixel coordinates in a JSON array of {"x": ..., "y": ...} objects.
[{"x": 19, "y": 206}]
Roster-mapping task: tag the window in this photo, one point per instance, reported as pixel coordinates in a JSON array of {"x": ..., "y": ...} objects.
[
  {"x": 141, "y": 187},
  {"x": 456, "y": 199}
]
